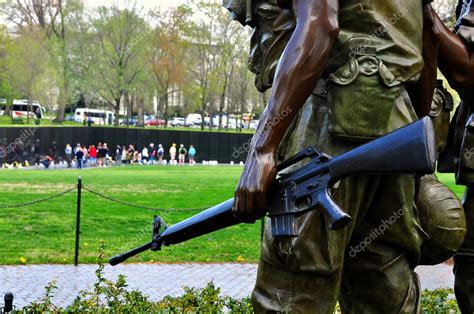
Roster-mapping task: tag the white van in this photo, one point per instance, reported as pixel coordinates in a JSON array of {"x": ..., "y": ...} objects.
[
  {"x": 21, "y": 109},
  {"x": 194, "y": 119},
  {"x": 99, "y": 117}
]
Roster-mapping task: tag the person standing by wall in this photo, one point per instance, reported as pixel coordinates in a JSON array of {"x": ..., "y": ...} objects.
[
  {"x": 93, "y": 156},
  {"x": 79, "y": 156},
  {"x": 100, "y": 154},
  {"x": 145, "y": 156},
  {"x": 68, "y": 153},
  {"x": 173, "y": 151},
  {"x": 124, "y": 155},
  {"x": 182, "y": 154},
  {"x": 86, "y": 157},
  {"x": 118, "y": 155},
  {"x": 106, "y": 154},
  {"x": 53, "y": 153},
  {"x": 152, "y": 153},
  {"x": 191, "y": 154},
  {"x": 160, "y": 153},
  {"x": 130, "y": 154}
]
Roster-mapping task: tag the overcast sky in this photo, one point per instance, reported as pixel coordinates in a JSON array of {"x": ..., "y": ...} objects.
[{"x": 146, "y": 4}]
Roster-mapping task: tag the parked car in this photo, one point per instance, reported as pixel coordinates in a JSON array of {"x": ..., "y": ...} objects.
[
  {"x": 70, "y": 118},
  {"x": 215, "y": 121},
  {"x": 155, "y": 122},
  {"x": 232, "y": 124},
  {"x": 177, "y": 121},
  {"x": 193, "y": 119},
  {"x": 254, "y": 124},
  {"x": 133, "y": 121}
]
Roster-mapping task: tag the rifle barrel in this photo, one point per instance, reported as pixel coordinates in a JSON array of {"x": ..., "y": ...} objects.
[
  {"x": 210, "y": 220},
  {"x": 123, "y": 257}
]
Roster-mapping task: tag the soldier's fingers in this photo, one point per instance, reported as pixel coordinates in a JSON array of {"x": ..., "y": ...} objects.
[
  {"x": 250, "y": 208},
  {"x": 235, "y": 207},
  {"x": 240, "y": 208},
  {"x": 262, "y": 207}
]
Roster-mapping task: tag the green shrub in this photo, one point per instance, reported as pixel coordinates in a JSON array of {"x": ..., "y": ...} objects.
[
  {"x": 18, "y": 121},
  {"x": 439, "y": 301},
  {"x": 113, "y": 297}
]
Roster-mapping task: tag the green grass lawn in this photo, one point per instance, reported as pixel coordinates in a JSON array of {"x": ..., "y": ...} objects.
[
  {"x": 448, "y": 179},
  {"x": 45, "y": 233}
]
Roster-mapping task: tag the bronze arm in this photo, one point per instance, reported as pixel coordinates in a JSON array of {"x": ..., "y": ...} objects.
[
  {"x": 456, "y": 59},
  {"x": 299, "y": 69},
  {"x": 421, "y": 92}
]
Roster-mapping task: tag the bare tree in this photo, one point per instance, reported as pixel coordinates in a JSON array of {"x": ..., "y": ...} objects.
[
  {"x": 118, "y": 54},
  {"x": 167, "y": 51},
  {"x": 232, "y": 42},
  {"x": 50, "y": 17},
  {"x": 27, "y": 63}
]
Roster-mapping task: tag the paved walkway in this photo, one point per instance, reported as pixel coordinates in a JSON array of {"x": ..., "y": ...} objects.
[{"x": 157, "y": 280}]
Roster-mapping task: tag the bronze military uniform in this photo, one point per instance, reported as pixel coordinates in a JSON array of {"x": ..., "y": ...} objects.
[
  {"x": 462, "y": 147},
  {"x": 369, "y": 265}
]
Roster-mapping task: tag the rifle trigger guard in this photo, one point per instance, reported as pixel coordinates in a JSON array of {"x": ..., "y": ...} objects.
[{"x": 158, "y": 225}]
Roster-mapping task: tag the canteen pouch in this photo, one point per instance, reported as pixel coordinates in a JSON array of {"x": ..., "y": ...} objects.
[{"x": 361, "y": 96}]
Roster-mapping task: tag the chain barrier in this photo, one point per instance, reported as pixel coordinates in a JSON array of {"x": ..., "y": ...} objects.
[
  {"x": 38, "y": 201},
  {"x": 49, "y": 198},
  {"x": 113, "y": 200}
]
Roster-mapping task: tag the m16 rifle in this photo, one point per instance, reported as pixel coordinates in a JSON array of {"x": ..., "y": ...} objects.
[{"x": 409, "y": 150}]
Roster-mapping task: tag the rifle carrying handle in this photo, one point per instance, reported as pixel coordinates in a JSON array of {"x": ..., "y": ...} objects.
[
  {"x": 306, "y": 153},
  {"x": 339, "y": 219}
]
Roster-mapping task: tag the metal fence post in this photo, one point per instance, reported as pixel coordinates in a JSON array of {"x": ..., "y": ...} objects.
[
  {"x": 8, "y": 306},
  {"x": 78, "y": 220}
]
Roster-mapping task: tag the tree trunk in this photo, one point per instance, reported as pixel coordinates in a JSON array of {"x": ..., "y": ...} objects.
[
  {"x": 140, "y": 107},
  {"x": 166, "y": 104},
  {"x": 222, "y": 103},
  {"x": 117, "y": 112},
  {"x": 63, "y": 100},
  {"x": 64, "y": 93},
  {"x": 203, "y": 110},
  {"x": 242, "y": 112},
  {"x": 30, "y": 109},
  {"x": 129, "y": 106}
]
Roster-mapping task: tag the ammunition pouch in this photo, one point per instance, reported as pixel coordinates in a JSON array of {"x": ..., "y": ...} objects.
[
  {"x": 441, "y": 107},
  {"x": 361, "y": 97}
]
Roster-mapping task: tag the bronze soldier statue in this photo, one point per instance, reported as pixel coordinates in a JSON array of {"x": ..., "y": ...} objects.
[
  {"x": 345, "y": 82},
  {"x": 456, "y": 57}
]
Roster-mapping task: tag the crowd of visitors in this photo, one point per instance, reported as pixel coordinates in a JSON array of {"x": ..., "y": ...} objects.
[{"x": 99, "y": 155}]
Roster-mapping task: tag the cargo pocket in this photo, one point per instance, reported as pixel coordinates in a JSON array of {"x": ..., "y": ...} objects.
[{"x": 361, "y": 97}]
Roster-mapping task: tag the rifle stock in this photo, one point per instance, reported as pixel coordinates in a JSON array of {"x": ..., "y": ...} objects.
[{"x": 409, "y": 150}]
